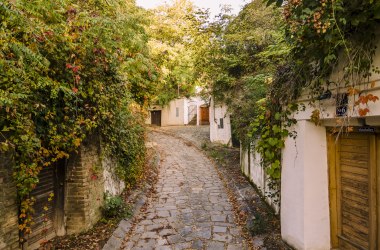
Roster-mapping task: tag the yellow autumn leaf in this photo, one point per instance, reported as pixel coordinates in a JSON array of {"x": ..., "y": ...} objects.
[
  {"x": 77, "y": 142},
  {"x": 353, "y": 91},
  {"x": 373, "y": 83}
]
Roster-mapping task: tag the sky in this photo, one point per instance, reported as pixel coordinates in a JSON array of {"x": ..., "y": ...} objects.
[{"x": 213, "y": 5}]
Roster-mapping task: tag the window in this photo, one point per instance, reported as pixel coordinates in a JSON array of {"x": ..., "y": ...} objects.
[
  {"x": 176, "y": 112},
  {"x": 221, "y": 123}
]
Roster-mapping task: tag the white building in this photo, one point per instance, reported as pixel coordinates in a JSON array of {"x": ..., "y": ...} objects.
[
  {"x": 220, "y": 124},
  {"x": 330, "y": 186},
  {"x": 183, "y": 111}
]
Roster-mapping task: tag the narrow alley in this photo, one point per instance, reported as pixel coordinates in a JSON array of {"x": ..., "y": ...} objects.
[{"x": 191, "y": 209}]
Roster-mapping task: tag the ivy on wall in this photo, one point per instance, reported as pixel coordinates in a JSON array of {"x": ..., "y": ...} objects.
[{"x": 68, "y": 68}]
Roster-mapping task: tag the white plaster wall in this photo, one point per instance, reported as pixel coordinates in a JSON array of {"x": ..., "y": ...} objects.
[
  {"x": 219, "y": 135},
  {"x": 328, "y": 107},
  {"x": 186, "y": 112},
  {"x": 168, "y": 115},
  {"x": 305, "y": 222},
  {"x": 251, "y": 167}
]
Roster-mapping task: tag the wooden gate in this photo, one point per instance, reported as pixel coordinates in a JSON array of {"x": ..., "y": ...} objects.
[
  {"x": 156, "y": 117},
  {"x": 353, "y": 191},
  {"x": 48, "y": 215}
]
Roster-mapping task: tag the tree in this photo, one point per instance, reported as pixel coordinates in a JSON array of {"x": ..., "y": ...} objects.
[
  {"x": 241, "y": 58},
  {"x": 173, "y": 30}
]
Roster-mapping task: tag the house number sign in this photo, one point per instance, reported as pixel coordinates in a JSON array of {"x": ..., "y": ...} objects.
[{"x": 341, "y": 105}]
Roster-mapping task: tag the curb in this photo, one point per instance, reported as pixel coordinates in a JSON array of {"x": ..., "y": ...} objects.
[{"x": 124, "y": 226}]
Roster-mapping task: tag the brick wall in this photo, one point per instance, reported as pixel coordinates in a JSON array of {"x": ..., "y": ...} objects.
[
  {"x": 84, "y": 187},
  {"x": 8, "y": 205}
]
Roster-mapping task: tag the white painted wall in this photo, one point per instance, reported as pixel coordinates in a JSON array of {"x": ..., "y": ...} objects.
[
  {"x": 305, "y": 222},
  {"x": 168, "y": 115},
  {"x": 217, "y": 134},
  {"x": 251, "y": 167}
]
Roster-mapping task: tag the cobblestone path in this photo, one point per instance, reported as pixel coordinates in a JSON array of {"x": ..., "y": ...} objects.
[{"x": 191, "y": 209}]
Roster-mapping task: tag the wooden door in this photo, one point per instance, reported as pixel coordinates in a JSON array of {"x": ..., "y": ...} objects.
[
  {"x": 48, "y": 214},
  {"x": 205, "y": 120},
  {"x": 156, "y": 117},
  {"x": 353, "y": 191}
]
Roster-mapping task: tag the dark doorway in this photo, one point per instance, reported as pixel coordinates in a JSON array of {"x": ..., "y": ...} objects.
[
  {"x": 156, "y": 117},
  {"x": 234, "y": 135}
]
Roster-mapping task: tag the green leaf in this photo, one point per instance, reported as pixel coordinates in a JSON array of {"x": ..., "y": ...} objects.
[
  {"x": 269, "y": 155},
  {"x": 273, "y": 141}
]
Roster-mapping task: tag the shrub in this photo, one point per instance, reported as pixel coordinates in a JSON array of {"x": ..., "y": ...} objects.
[{"x": 115, "y": 207}]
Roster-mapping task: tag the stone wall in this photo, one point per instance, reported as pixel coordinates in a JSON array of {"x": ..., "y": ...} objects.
[
  {"x": 89, "y": 175},
  {"x": 8, "y": 205},
  {"x": 84, "y": 187}
]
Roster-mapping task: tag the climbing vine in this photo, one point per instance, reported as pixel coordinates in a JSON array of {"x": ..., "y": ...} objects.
[
  {"x": 324, "y": 36},
  {"x": 327, "y": 36},
  {"x": 69, "y": 69}
]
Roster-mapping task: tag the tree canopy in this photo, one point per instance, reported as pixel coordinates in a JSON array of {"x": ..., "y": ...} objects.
[{"x": 173, "y": 31}]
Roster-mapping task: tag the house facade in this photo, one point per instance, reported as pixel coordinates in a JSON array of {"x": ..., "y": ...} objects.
[
  {"x": 179, "y": 112},
  {"x": 220, "y": 123}
]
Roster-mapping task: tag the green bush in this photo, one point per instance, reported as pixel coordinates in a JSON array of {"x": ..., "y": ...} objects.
[{"x": 115, "y": 207}]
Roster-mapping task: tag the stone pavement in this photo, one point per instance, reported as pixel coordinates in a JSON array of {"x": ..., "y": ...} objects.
[
  {"x": 195, "y": 134},
  {"x": 191, "y": 209}
]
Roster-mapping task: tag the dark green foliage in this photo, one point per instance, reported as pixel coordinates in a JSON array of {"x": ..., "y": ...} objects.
[{"x": 257, "y": 225}]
